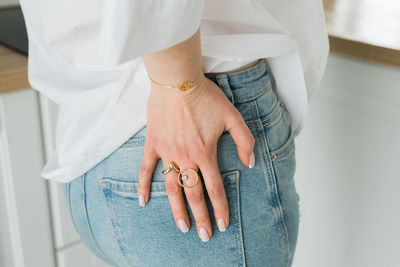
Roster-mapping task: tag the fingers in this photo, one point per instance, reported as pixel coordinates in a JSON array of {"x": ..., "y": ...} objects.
[
  {"x": 215, "y": 189},
  {"x": 197, "y": 202},
  {"x": 194, "y": 195},
  {"x": 146, "y": 170},
  {"x": 176, "y": 198},
  {"x": 242, "y": 137}
]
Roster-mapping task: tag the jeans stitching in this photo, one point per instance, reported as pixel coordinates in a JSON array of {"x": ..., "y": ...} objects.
[
  {"x": 279, "y": 208},
  {"x": 67, "y": 200},
  {"x": 241, "y": 245},
  {"x": 115, "y": 229},
  {"x": 133, "y": 142},
  {"x": 271, "y": 181},
  {"x": 266, "y": 90},
  {"x": 285, "y": 149},
  {"x": 236, "y": 207},
  {"x": 273, "y": 117},
  {"x": 69, "y": 204},
  {"x": 86, "y": 218}
]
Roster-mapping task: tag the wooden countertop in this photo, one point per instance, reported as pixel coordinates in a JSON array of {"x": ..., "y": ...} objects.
[
  {"x": 13, "y": 70},
  {"x": 366, "y": 29}
]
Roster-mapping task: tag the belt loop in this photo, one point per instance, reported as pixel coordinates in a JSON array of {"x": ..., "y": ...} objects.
[{"x": 224, "y": 85}]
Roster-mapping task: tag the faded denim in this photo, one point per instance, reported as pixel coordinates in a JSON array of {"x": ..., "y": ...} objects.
[{"x": 263, "y": 201}]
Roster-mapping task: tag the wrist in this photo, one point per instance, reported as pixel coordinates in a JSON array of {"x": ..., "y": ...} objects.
[{"x": 177, "y": 97}]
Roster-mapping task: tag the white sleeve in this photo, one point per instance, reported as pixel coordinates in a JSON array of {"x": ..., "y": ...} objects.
[{"x": 133, "y": 28}]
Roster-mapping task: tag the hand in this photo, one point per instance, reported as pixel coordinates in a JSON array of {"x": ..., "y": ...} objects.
[{"x": 184, "y": 127}]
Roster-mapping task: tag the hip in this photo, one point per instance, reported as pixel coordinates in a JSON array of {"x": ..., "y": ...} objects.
[{"x": 263, "y": 202}]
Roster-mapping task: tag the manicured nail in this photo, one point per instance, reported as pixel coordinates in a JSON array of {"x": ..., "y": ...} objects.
[
  {"x": 141, "y": 200},
  {"x": 183, "y": 226},
  {"x": 221, "y": 225},
  {"x": 252, "y": 160},
  {"x": 204, "y": 235}
]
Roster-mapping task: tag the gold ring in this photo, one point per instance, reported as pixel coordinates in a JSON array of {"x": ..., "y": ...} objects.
[
  {"x": 184, "y": 177},
  {"x": 166, "y": 171},
  {"x": 171, "y": 167}
]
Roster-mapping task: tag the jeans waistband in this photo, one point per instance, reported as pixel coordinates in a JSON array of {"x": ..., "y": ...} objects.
[{"x": 243, "y": 85}]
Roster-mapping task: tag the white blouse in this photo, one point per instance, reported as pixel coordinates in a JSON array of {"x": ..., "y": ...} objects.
[{"x": 86, "y": 57}]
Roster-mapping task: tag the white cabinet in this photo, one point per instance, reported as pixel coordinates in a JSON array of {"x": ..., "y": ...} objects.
[
  {"x": 26, "y": 237},
  {"x": 70, "y": 251},
  {"x": 35, "y": 228},
  {"x": 78, "y": 256},
  {"x": 64, "y": 231}
]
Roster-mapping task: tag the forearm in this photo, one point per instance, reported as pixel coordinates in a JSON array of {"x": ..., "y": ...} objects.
[{"x": 176, "y": 64}]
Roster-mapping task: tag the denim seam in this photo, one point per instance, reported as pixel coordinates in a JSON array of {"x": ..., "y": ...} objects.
[
  {"x": 131, "y": 187},
  {"x": 115, "y": 230},
  {"x": 68, "y": 200},
  {"x": 281, "y": 215},
  {"x": 271, "y": 180},
  {"x": 70, "y": 209},
  {"x": 234, "y": 181},
  {"x": 224, "y": 85},
  {"x": 241, "y": 245},
  {"x": 254, "y": 124},
  {"x": 236, "y": 207},
  {"x": 278, "y": 210},
  {"x": 133, "y": 142},
  {"x": 69, "y": 206},
  {"x": 86, "y": 217},
  {"x": 109, "y": 213}
]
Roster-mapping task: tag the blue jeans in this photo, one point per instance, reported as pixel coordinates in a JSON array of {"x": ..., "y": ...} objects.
[{"x": 263, "y": 202}]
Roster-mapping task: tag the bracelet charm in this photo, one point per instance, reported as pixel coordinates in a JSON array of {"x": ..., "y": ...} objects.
[{"x": 186, "y": 85}]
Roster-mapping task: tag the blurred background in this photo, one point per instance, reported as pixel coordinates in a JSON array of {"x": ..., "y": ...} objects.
[{"x": 348, "y": 155}]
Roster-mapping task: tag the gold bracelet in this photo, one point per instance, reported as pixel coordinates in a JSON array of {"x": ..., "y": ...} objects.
[{"x": 184, "y": 86}]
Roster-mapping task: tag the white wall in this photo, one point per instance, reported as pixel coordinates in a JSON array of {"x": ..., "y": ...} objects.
[{"x": 348, "y": 168}]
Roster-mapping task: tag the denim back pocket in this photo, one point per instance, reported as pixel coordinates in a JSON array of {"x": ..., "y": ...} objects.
[{"x": 148, "y": 235}]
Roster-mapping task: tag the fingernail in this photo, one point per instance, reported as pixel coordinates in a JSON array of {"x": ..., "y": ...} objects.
[
  {"x": 204, "y": 235},
  {"x": 141, "y": 200},
  {"x": 183, "y": 226},
  {"x": 221, "y": 225},
  {"x": 252, "y": 160}
]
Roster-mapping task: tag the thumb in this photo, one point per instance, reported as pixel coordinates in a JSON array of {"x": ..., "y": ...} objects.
[{"x": 242, "y": 137}]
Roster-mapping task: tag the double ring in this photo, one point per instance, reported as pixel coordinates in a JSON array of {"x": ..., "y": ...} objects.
[{"x": 182, "y": 177}]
